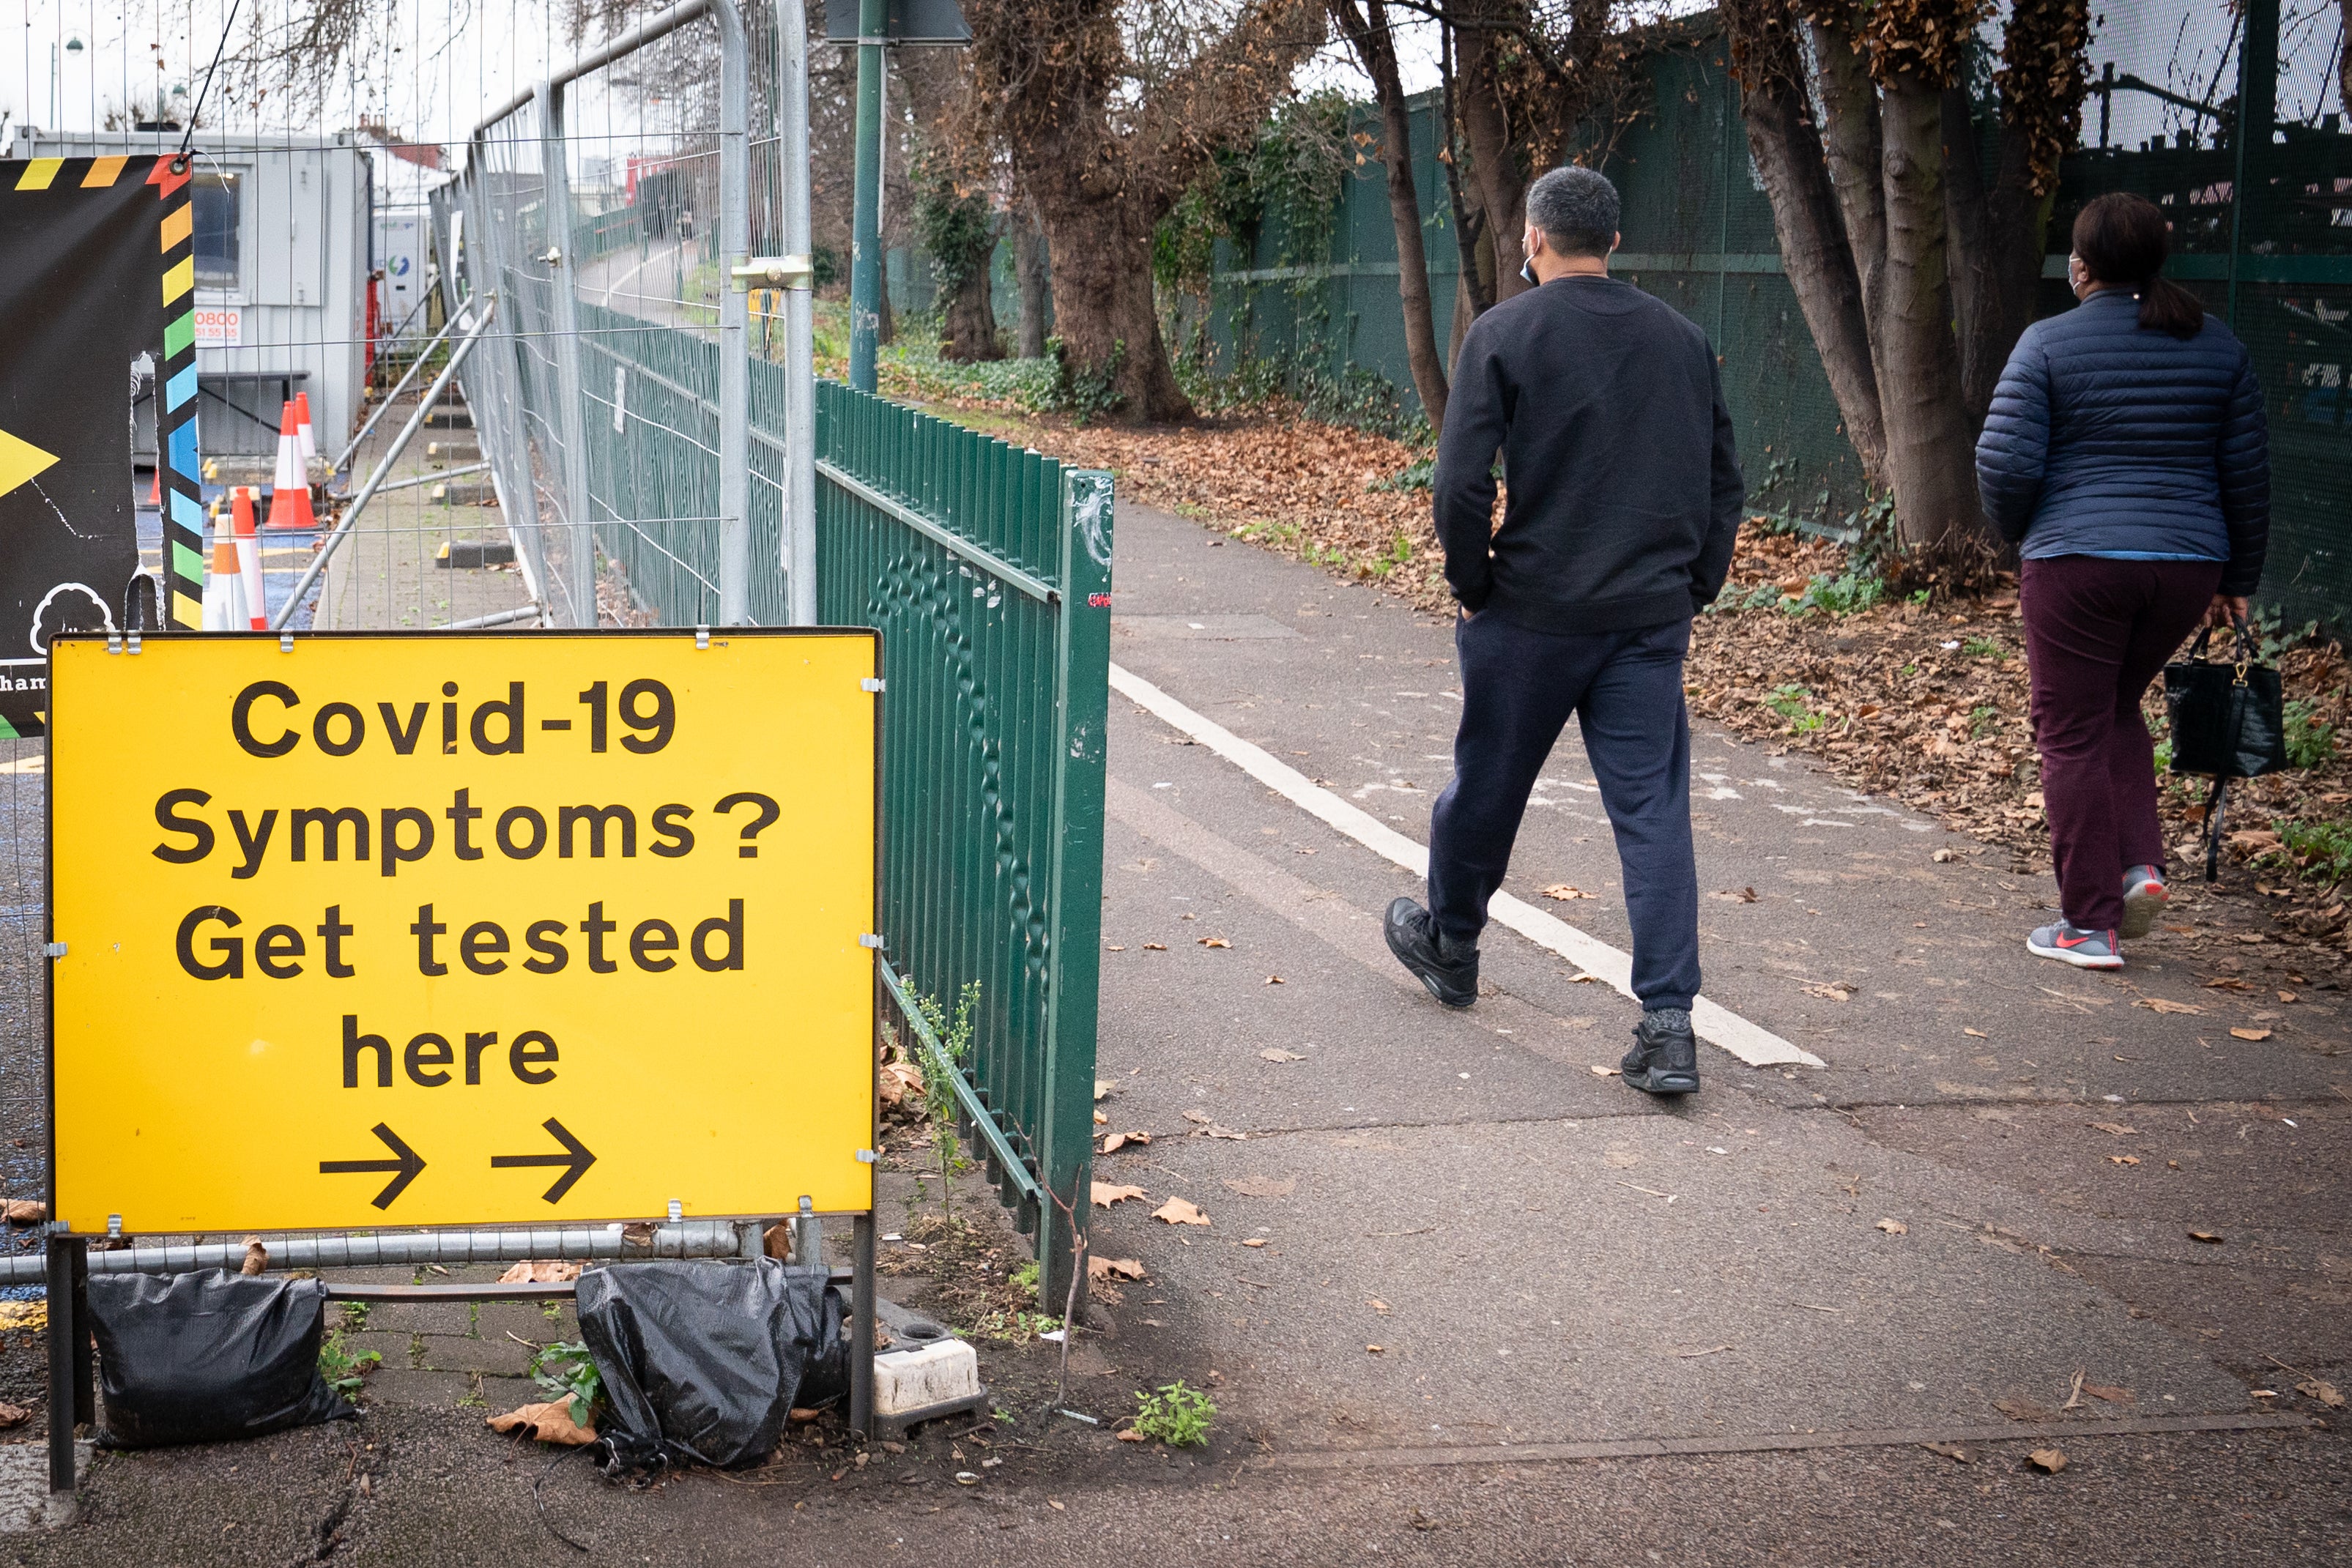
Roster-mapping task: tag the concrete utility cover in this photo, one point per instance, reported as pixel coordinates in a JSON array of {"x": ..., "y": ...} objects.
[{"x": 1202, "y": 628}]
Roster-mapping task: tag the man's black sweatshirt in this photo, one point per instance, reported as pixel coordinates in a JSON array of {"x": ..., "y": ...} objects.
[{"x": 1623, "y": 492}]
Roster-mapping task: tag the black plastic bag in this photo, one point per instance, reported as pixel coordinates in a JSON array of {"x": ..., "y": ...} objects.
[
  {"x": 702, "y": 1362},
  {"x": 209, "y": 1356}
]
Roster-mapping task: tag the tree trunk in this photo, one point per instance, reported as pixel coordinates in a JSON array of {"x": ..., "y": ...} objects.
[
  {"x": 967, "y": 326},
  {"x": 1101, "y": 253},
  {"x": 1854, "y": 144},
  {"x": 1029, "y": 269},
  {"x": 1929, "y": 454},
  {"x": 1367, "y": 33},
  {"x": 1494, "y": 163},
  {"x": 1815, "y": 252}
]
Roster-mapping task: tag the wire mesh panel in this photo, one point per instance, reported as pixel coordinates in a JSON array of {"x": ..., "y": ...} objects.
[{"x": 986, "y": 568}]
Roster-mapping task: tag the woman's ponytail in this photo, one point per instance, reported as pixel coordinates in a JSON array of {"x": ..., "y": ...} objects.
[{"x": 2121, "y": 240}]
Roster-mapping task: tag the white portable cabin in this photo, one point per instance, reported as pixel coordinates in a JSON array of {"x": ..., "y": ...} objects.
[{"x": 283, "y": 241}]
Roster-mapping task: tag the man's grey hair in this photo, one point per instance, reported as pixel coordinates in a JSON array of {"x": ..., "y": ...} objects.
[{"x": 1577, "y": 209}]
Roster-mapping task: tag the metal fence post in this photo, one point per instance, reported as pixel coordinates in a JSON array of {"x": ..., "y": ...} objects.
[
  {"x": 800, "y": 320},
  {"x": 561, "y": 266},
  {"x": 65, "y": 1358},
  {"x": 734, "y": 344},
  {"x": 865, "y": 220},
  {"x": 1082, "y": 714}
]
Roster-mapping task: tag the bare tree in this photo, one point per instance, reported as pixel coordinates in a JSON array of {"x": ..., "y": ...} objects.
[
  {"x": 1914, "y": 272},
  {"x": 1367, "y": 30},
  {"x": 1105, "y": 126}
]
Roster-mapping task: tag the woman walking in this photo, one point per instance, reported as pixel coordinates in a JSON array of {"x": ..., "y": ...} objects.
[{"x": 2127, "y": 454}]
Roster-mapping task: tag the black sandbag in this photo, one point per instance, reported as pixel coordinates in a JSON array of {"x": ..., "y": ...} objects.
[
  {"x": 702, "y": 1361},
  {"x": 209, "y": 1356}
]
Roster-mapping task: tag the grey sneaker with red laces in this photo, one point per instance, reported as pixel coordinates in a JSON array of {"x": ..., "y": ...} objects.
[{"x": 2144, "y": 900}]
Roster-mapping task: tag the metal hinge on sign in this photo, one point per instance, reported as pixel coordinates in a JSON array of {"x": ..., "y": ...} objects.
[
  {"x": 286, "y": 641},
  {"x": 702, "y": 639},
  {"x": 870, "y": 684},
  {"x": 114, "y": 641},
  {"x": 131, "y": 642},
  {"x": 868, "y": 940},
  {"x": 114, "y": 1225},
  {"x": 866, "y": 1156},
  {"x": 54, "y": 950},
  {"x": 677, "y": 1211}
]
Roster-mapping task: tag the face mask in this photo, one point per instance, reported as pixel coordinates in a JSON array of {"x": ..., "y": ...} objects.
[{"x": 1528, "y": 271}]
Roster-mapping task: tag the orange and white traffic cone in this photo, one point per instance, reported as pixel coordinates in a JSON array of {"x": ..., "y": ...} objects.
[
  {"x": 255, "y": 608},
  {"x": 289, "y": 495},
  {"x": 223, "y": 587},
  {"x": 302, "y": 428}
]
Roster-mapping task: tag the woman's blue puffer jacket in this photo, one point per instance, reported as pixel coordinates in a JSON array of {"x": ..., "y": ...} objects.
[{"x": 2106, "y": 438}]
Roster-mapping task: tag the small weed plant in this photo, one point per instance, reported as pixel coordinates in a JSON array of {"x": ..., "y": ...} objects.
[
  {"x": 953, "y": 1038},
  {"x": 1838, "y": 596},
  {"x": 345, "y": 1369},
  {"x": 1982, "y": 720},
  {"x": 1024, "y": 1278},
  {"x": 2322, "y": 851},
  {"x": 1175, "y": 1415},
  {"x": 1414, "y": 476},
  {"x": 566, "y": 1371},
  {"x": 2309, "y": 742},
  {"x": 1793, "y": 703},
  {"x": 1983, "y": 648}
]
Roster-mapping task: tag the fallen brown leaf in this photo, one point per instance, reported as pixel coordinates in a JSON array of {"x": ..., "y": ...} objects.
[
  {"x": 2109, "y": 1392},
  {"x": 1564, "y": 891},
  {"x": 1178, "y": 1211},
  {"x": 1132, "y": 1435},
  {"x": 1114, "y": 1268},
  {"x": 2211, "y": 1238},
  {"x": 1275, "y": 1053},
  {"x": 1375, "y": 1349},
  {"x": 1114, "y": 1142},
  {"x": 25, "y": 1211},
  {"x": 2321, "y": 1390},
  {"x": 2238, "y": 1033},
  {"x": 256, "y": 1257},
  {"x": 2049, "y": 1460},
  {"x": 12, "y": 1414},
  {"x": 1263, "y": 1186},
  {"x": 1213, "y": 941},
  {"x": 1274, "y": 980},
  {"x": 2123, "y": 1159},
  {"x": 2023, "y": 1409},
  {"x": 541, "y": 1271},
  {"x": 1952, "y": 1451},
  {"x": 2117, "y": 1128},
  {"x": 2166, "y": 1005},
  {"x": 1601, "y": 1072},
  {"x": 1893, "y": 1228},
  {"x": 1107, "y": 1193},
  {"x": 1151, "y": 947},
  {"x": 1975, "y": 1033},
  {"x": 549, "y": 1423},
  {"x": 1254, "y": 1241}
]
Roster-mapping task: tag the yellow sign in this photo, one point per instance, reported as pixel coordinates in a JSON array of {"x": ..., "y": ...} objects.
[{"x": 438, "y": 930}]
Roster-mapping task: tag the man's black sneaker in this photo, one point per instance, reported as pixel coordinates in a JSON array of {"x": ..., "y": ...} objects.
[
  {"x": 1665, "y": 1057},
  {"x": 1450, "y": 970}
]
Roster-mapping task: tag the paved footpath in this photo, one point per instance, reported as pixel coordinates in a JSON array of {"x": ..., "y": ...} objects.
[{"x": 1463, "y": 1299}]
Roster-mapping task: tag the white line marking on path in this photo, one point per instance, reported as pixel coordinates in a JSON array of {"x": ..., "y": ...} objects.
[{"x": 1751, "y": 1043}]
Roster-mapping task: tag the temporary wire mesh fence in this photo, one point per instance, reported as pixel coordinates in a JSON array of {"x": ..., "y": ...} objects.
[{"x": 600, "y": 403}]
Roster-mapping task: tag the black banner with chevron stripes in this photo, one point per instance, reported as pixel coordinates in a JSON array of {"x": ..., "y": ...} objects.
[{"x": 88, "y": 254}]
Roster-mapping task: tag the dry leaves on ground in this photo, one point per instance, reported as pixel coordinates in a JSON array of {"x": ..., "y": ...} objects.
[
  {"x": 2321, "y": 1390},
  {"x": 1107, "y": 1193},
  {"x": 25, "y": 1211},
  {"x": 2048, "y": 1460},
  {"x": 1275, "y": 1053},
  {"x": 1893, "y": 1228},
  {"x": 2165, "y": 1005},
  {"x": 12, "y": 1414},
  {"x": 1178, "y": 1211},
  {"x": 541, "y": 1271},
  {"x": 2237, "y": 1032},
  {"x": 1114, "y": 1268},
  {"x": 549, "y": 1423},
  {"x": 1563, "y": 892}
]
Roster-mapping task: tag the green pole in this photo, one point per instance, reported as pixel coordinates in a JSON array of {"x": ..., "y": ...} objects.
[{"x": 865, "y": 222}]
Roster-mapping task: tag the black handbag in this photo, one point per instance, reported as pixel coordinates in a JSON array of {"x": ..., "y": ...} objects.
[{"x": 2228, "y": 720}]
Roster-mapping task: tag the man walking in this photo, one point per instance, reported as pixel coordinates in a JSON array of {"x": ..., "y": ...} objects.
[{"x": 1624, "y": 496}]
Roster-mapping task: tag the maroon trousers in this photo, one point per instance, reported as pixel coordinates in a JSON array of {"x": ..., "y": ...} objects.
[{"x": 2096, "y": 632}]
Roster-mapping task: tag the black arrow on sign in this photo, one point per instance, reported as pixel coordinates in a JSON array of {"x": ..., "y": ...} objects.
[
  {"x": 407, "y": 1165},
  {"x": 578, "y": 1159}
]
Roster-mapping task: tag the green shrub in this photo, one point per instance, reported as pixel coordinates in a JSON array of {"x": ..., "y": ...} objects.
[
  {"x": 344, "y": 1368},
  {"x": 1846, "y": 595},
  {"x": 566, "y": 1371},
  {"x": 2319, "y": 849}
]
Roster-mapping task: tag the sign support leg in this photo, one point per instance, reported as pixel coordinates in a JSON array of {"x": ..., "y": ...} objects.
[
  {"x": 861, "y": 1311},
  {"x": 69, "y": 1391}
]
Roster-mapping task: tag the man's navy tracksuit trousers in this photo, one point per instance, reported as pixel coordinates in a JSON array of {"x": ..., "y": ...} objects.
[{"x": 1519, "y": 688}]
